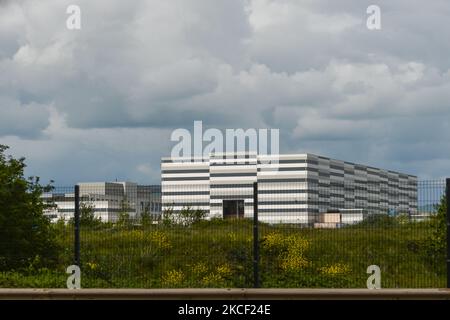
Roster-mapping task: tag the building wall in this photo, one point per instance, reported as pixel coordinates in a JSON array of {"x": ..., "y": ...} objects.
[
  {"x": 149, "y": 200},
  {"x": 185, "y": 183},
  {"x": 283, "y": 190},
  {"x": 108, "y": 199},
  {"x": 348, "y": 186},
  {"x": 300, "y": 187},
  {"x": 330, "y": 218},
  {"x": 232, "y": 179}
]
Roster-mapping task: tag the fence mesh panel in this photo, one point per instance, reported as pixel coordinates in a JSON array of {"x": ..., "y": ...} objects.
[{"x": 188, "y": 235}]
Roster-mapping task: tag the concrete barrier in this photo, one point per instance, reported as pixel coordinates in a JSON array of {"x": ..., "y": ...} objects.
[{"x": 226, "y": 294}]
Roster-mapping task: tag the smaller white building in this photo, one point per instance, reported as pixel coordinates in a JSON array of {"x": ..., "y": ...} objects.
[
  {"x": 339, "y": 218},
  {"x": 352, "y": 216},
  {"x": 107, "y": 200}
]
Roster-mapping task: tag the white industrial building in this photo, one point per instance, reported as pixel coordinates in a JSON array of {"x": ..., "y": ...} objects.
[
  {"x": 108, "y": 200},
  {"x": 297, "y": 189}
]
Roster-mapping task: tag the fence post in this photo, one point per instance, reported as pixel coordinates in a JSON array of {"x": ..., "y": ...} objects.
[
  {"x": 447, "y": 195},
  {"x": 77, "y": 226},
  {"x": 256, "y": 283}
]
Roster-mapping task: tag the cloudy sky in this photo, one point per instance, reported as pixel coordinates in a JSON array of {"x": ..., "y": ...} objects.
[{"x": 100, "y": 103}]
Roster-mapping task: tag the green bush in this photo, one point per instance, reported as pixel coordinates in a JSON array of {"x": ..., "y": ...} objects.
[
  {"x": 25, "y": 233},
  {"x": 187, "y": 216},
  {"x": 435, "y": 248},
  {"x": 43, "y": 278},
  {"x": 378, "y": 220},
  {"x": 438, "y": 239}
]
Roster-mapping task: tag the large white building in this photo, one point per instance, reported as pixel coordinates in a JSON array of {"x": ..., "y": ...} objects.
[
  {"x": 107, "y": 199},
  {"x": 295, "y": 190}
]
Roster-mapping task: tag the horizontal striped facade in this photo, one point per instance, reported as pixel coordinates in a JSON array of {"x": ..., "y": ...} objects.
[{"x": 294, "y": 189}]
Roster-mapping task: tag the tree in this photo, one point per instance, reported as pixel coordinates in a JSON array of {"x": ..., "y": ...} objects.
[
  {"x": 25, "y": 233},
  {"x": 146, "y": 218},
  {"x": 186, "y": 216},
  {"x": 124, "y": 219},
  {"x": 438, "y": 240},
  {"x": 167, "y": 216},
  {"x": 189, "y": 216},
  {"x": 87, "y": 215}
]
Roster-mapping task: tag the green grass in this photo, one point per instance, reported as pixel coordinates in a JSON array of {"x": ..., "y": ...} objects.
[{"x": 219, "y": 254}]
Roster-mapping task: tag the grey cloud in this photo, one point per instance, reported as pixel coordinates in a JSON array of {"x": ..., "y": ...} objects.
[
  {"x": 138, "y": 67},
  {"x": 22, "y": 120}
]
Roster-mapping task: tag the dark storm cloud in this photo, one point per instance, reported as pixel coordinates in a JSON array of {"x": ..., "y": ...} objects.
[{"x": 139, "y": 69}]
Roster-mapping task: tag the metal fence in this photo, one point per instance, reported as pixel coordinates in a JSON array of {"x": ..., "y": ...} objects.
[{"x": 272, "y": 235}]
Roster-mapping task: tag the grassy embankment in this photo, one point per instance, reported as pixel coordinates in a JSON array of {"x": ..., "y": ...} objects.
[{"x": 219, "y": 254}]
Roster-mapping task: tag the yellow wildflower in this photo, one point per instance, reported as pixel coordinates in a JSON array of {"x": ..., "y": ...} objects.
[
  {"x": 224, "y": 270},
  {"x": 335, "y": 269},
  {"x": 173, "y": 278},
  {"x": 160, "y": 240},
  {"x": 199, "y": 269}
]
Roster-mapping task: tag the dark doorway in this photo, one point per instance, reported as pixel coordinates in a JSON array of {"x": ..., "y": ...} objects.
[{"x": 233, "y": 209}]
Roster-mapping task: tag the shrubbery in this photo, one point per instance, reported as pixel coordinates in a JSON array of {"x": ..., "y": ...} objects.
[
  {"x": 187, "y": 216},
  {"x": 378, "y": 220},
  {"x": 26, "y": 234},
  {"x": 436, "y": 244},
  {"x": 213, "y": 254}
]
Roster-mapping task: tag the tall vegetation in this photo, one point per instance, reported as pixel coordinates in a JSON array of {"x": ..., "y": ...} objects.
[
  {"x": 124, "y": 219},
  {"x": 26, "y": 236},
  {"x": 186, "y": 216},
  {"x": 87, "y": 215},
  {"x": 437, "y": 243}
]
